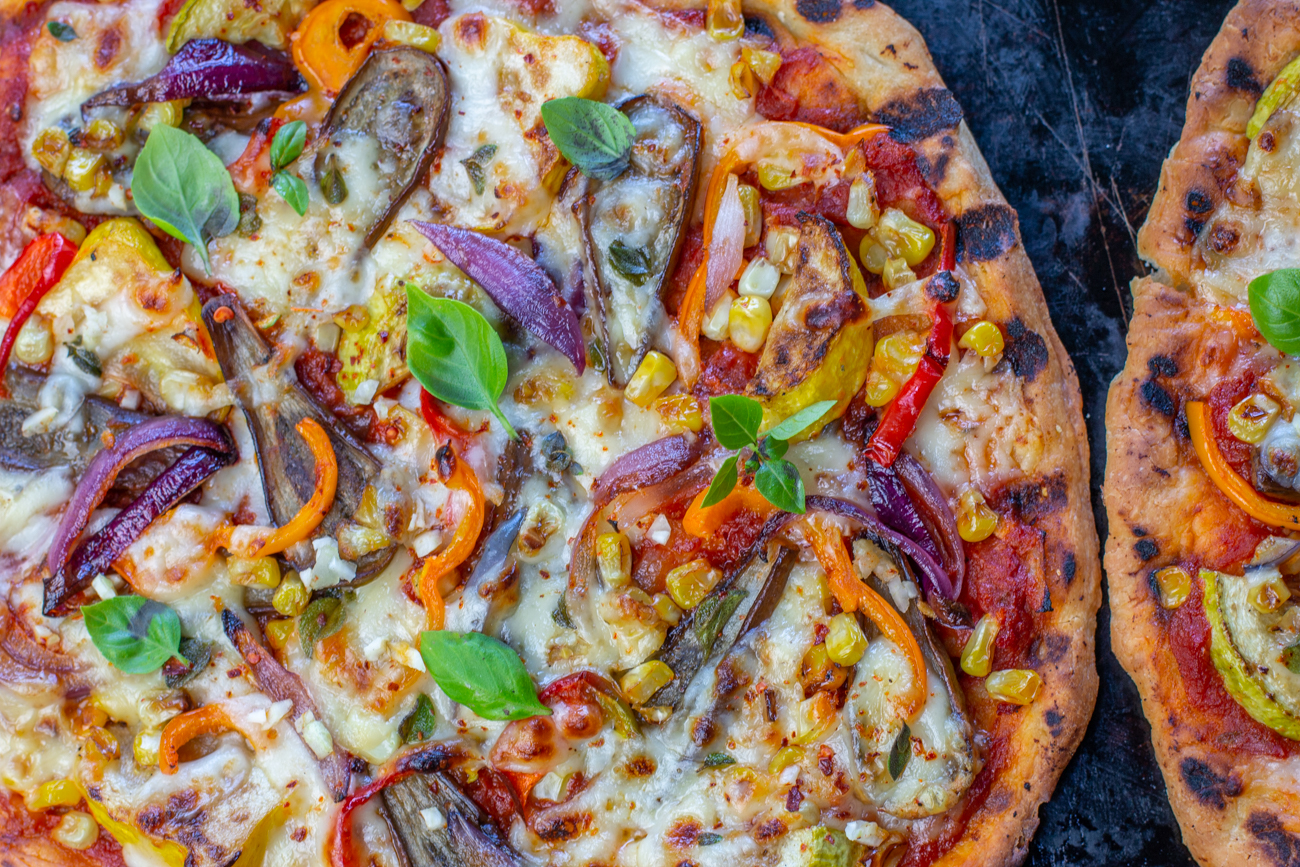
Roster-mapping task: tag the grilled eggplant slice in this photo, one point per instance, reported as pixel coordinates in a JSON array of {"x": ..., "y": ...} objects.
[
  {"x": 465, "y": 837},
  {"x": 634, "y": 230},
  {"x": 386, "y": 124},
  {"x": 274, "y": 403}
]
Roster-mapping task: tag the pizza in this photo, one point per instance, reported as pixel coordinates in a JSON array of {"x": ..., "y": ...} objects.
[
  {"x": 596, "y": 433},
  {"x": 1202, "y": 515}
]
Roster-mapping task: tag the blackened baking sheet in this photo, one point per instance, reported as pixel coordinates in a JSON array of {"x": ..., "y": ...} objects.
[{"x": 1075, "y": 105}]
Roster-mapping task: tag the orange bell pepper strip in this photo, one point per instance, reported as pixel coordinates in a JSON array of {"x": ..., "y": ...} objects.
[
  {"x": 458, "y": 476},
  {"x": 313, "y": 511},
  {"x": 206, "y": 720},
  {"x": 703, "y": 521},
  {"x": 854, "y": 595},
  {"x": 318, "y": 49},
  {"x": 1225, "y": 478}
]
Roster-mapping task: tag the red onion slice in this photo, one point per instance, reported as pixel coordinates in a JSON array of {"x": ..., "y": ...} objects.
[
  {"x": 895, "y": 508},
  {"x": 934, "y": 511},
  {"x": 103, "y": 469},
  {"x": 726, "y": 244},
  {"x": 516, "y": 283},
  {"x": 96, "y": 554},
  {"x": 211, "y": 70},
  {"x": 648, "y": 465}
]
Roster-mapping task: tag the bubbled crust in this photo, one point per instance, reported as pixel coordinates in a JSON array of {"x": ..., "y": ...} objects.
[
  {"x": 1234, "y": 808},
  {"x": 886, "y": 62},
  {"x": 1258, "y": 38}
]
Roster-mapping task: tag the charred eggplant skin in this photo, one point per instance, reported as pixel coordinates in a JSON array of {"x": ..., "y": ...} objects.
[
  {"x": 399, "y": 98},
  {"x": 644, "y": 210}
]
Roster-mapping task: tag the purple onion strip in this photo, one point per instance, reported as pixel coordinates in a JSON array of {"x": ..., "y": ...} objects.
[
  {"x": 212, "y": 70},
  {"x": 516, "y": 283},
  {"x": 932, "y": 504},
  {"x": 649, "y": 465},
  {"x": 895, "y": 507}
]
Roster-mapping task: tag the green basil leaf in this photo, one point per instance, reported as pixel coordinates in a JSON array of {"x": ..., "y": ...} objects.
[
  {"x": 475, "y": 165},
  {"x": 595, "y": 137},
  {"x": 718, "y": 760},
  {"x": 287, "y": 144},
  {"x": 736, "y": 420},
  {"x": 632, "y": 262},
  {"x": 321, "y": 618},
  {"x": 900, "y": 753},
  {"x": 481, "y": 673},
  {"x": 184, "y": 189},
  {"x": 774, "y": 449},
  {"x": 454, "y": 353},
  {"x": 1275, "y": 306},
  {"x": 135, "y": 634},
  {"x": 780, "y": 484},
  {"x": 800, "y": 421},
  {"x": 61, "y": 31},
  {"x": 723, "y": 483},
  {"x": 84, "y": 358},
  {"x": 292, "y": 188},
  {"x": 421, "y": 723}
]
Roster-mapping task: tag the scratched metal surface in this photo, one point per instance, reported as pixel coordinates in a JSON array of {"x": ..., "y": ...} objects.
[{"x": 1075, "y": 103}]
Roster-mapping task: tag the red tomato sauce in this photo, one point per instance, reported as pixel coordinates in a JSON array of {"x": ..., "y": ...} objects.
[
  {"x": 808, "y": 88},
  {"x": 1225, "y": 396},
  {"x": 21, "y": 829},
  {"x": 1004, "y": 578},
  {"x": 727, "y": 369}
]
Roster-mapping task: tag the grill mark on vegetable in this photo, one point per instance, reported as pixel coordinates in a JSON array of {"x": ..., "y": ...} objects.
[
  {"x": 1209, "y": 787},
  {"x": 985, "y": 233},
  {"x": 1241, "y": 76},
  {"x": 1155, "y": 396},
  {"x": 921, "y": 114},
  {"x": 818, "y": 11},
  {"x": 1026, "y": 351},
  {"x": 1279, "y": 845}
]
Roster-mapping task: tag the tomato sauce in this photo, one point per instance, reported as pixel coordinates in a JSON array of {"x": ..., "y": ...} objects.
[
  {"x": 1004, "y": 577},
  {"x": 808, "y": 88},
  {"x": 1225, "y": 396},
  {"x": 23, "y": 831},
  {"x": 727, "y": 369},
  {"x": 318, "y": 373}
]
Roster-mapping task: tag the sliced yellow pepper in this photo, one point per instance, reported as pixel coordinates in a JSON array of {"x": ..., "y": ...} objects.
[{"x": 123, "y": 234}]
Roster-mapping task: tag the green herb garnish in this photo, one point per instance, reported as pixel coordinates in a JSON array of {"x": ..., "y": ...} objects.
[
  {"x": 712, "y": 614},
  {"x": 321, "y": 618},
  {"x": 87, "y": 361},
  {"x": 632, "y": 262},
  {"x": 421, "y": 723},
  {"x": 476, "y": 166},
  {"x": 285, "y": 148},
  {"x": 900, "y": 753},
  {"x": 61, "y": 31},
  {"x": 481, "y": 673},
  {"x": 595, "y": 137},
  {"x": 1275, "y": 307},
  {"x": 708, "y": 838},
  {"x": 454, "y": 353},
  {"x": 135, "y": 634},
  {"x": 198, "y": 653},
  {"x": 184, "y": 189},
  {"x": 718, "y": 760}
]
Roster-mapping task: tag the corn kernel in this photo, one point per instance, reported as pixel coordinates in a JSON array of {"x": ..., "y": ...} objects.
[
  {"x": 818, "y": 671},
  {"x": 717, "y": 324},
  {"x": 785, "y": 757},
  {"x": 896, "y": 273},
  {"x": 753, "y": 209},
  {"x": 1269, "y": 594},
  {"x": 776, "y": 176},
  {"x": 975, "y": 520},
  {"x": 146, "y": 746},
  {"x": 845, "y": 642},
  {"x": 291, "y": 597},
  {"x": 724, "y": 19},
  {"x": 652, "y": 378},
  {"x": 749, "y": 321},
  {"x": 76, "y": 830},
  {"x": 985, "y": 338},
  {"x": 161, "y": 114},
  {"x": 1014, "y": 685},
  {"x": 280, "y": 632},
  {"x": 255, "y": 572},
  {"x": 55, "y": 793},
  {"x": 689, "y": 583},
  {"x": 642, "y": 682},
  {"x": 102, "y": 135},
  {"x": 667, "y": 609},
  {"x": 744, "y": 83},
  {"x": 35, "y": 343},
  {"x": 977, "y": 657},
  {"x": 814, "y": 717},
  {"x": 614, "y": 559},
  {"x": 880, "y": 389},
  {"x": 759, "y": 279},
  {"x": 680, "y": 411},
  {"x": 419, "y": 36},
  {"x": 782, "y": 245},
  {"x": 764, "y": 63},
  {"x": 904, "y": 237},
  {"x": 863, "y": 212},
  {"x": 51, "y": 149},
  {"x": 84, "y": 169},
  {"x": 874, "y": 257},
  {"x": 898, "y": 355},
  {"x": 1174, "y": 585},
  {"x": 1251, "y": 418}
]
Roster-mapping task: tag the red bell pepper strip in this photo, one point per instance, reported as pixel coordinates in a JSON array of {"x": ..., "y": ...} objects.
[
  {"x": 341, "y": 852},
  {"x": 38, "y": 268},
  {"x": 899, "y": 419},
  {"x": 443, "y": 428}
]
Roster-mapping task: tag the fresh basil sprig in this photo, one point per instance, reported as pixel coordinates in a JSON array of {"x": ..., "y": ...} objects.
[
  {"x": 1275, "y": 306},
  {"x": 135, "y": 634},
  {"x": 736, "y": 420},
  {"x": 454, "y": 353},
  {"x": 285, "y": 148},
  {"x": 481, "y": 673},
  {"x": 595, "y": 137},
  {"x": 184, "y": 189}
]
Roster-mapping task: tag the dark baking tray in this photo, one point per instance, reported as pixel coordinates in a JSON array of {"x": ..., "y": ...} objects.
[{"x": 1075, "y": 105}]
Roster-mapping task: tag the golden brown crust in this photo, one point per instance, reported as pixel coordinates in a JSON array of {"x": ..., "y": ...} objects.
[{"x": 887, "y": 61}]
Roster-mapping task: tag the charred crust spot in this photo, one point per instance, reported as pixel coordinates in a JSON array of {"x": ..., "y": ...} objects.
[
  {"x": 1026, "y": 350},
  {"x": 1193, "y": 225},
  {"x": 755, "y": 26},
  {"x": 1224, "y": 237},
  {"x": 1199, "y": 203},
  {"x": 863, "y": 4},
  {"x": 921, "y": 115},
  {"x": 641, "y": 766},
  {"x": 1155, "y": 396},
  {"x": 1266, "y": 141},
  {"x": 1055, "y": 723},
  {"x": 985, "y": 233},
  {"x": 943, "y": 287},
  {"x": 1046, "y": 606},
  {"x": 1030, "y": 501},
  {"x": 1210, "y": 788},
  {"x": 1146, "y": 549},
  {"x": 1049, "y": 649},
  {"x": 1240, "y": 76},
  {"x": 818, "y": 11},
  {"x": 933, "y": 170},
  {"x": 471, "y": 30},
  {"x": 106, "y": 51},
  {"x": 1162, "y": 365},
  {"x": 1280, "y": 845},
  {"x": 1069, "y": 568}
]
